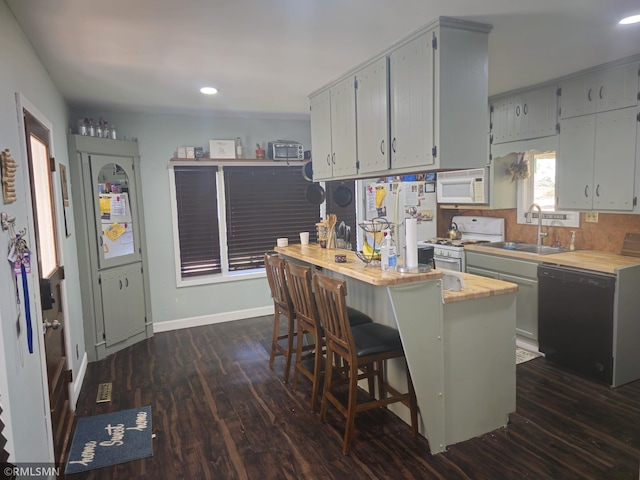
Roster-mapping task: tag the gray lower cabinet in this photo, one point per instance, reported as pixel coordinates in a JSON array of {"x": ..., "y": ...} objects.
[
  {"x": 123, "y": 302},
  {"x": 109, "y": 229},
  {"x": 520, "y": 272}
]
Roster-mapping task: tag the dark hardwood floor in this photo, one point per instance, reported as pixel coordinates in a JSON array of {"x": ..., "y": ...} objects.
[{"x": 219, "y": 412}]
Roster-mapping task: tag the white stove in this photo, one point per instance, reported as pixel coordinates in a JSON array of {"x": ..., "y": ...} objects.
[{"x": 449, "y": 254}]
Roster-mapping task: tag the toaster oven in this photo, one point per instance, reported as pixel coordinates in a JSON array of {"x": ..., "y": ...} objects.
[{"x": 284, "y": 150}]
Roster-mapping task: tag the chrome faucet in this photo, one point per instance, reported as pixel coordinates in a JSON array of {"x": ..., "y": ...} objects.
[{"x": 540, "y": 233}]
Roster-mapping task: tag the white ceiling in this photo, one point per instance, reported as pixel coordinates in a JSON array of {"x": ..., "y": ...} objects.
[{"x": 268, "y": 55}]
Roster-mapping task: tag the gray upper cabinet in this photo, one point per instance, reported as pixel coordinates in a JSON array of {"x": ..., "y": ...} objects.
[
  {"x": 411, "y": 78},
  {"x": 333, "y": 131},
  {"x": 108, "y": 213},
  {"x": 524, "y": 116},
  {"x": 321, "y": 135},
  {"x": 597, "y": 161},
  {"x": 439, "y": 86},
  {"x": 595, "y": 92},
  {"x": 115, "y": 208},
  {"x": 372, "y": 110},
  {"x": 433, "y": 91}
]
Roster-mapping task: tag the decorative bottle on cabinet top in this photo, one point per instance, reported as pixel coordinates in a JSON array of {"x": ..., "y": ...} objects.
[{"x": 238, "y": 148}]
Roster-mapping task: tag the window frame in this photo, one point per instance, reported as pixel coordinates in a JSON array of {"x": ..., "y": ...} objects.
[
  {"x": 226, "y": 275},
  {"x": 525, "y": 199}
]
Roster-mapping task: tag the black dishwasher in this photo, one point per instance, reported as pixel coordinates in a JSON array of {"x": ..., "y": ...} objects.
[{"x": 575, "y": 320}]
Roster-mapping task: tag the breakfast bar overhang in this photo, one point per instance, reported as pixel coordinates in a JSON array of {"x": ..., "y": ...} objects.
[{"x": 459, "y": 345}]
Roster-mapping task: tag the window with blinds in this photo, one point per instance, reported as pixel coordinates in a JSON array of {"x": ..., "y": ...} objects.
[
  {"x": 263, "y": 204},
  {"x": 197, "y": 208}
]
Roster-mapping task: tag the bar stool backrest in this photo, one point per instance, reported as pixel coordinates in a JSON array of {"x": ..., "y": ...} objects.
[
  {"x": 299, "y": 283},
  {"x": 330, "y": 294},
  {"x": 274, "y": 266}
]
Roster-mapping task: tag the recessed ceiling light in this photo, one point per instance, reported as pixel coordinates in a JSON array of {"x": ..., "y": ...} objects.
[
  {"x": 209, "y": 90},
  {"x": 631, "y": 19}
]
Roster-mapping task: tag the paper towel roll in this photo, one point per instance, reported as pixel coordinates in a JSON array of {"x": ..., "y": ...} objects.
[{"x": 411, "y": 241}]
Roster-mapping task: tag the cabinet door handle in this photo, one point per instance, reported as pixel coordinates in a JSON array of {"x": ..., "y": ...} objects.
[
  {"x": 525, "y": 109},
  {"x": 393, "y": 145},
  {"x": 586, "y": 191},
  {"x": 100, "y": 240},
  {"x": 589, "y": 94},
  {"x": 126, "y": 282},
  {"x": 598, "y": 190},
  {"x": 333, "y": 158},
  {"x": 600, "y": 93},
  {"x": 328, "y": 162},
  {"x": 120, "y": 281},
  {"x": 517, "y": 110},
  {"x": 382, "y": 147}
]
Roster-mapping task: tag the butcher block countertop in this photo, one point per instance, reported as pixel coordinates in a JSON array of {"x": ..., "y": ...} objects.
[
  {"x": 475, "y": 286},
  {"x": 604, "y": 262},
  {"x": 353, "y": 267}
]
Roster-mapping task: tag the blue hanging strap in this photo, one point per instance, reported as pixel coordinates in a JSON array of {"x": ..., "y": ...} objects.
[{"x": 27, "y": 307}]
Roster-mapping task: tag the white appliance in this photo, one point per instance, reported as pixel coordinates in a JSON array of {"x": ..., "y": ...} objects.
[
  {"x": 397, "y": 201},
  {"x": 464, "y": 186},
  {"x": 449, "y": 254}
]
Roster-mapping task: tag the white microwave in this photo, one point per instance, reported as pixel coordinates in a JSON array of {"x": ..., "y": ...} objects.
[{"x": 467, "y": 187}]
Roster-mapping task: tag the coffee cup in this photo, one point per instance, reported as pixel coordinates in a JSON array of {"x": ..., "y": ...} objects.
[{"x": 304, "y": 238}]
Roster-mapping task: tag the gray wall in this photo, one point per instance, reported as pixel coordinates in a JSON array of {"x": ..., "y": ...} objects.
[
  {"x": 159, "y": 135},
  {"x": 21, "y": 391}
]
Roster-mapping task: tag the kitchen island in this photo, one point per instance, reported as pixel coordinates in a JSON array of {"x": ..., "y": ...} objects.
[{"x": 459, "y": 345}]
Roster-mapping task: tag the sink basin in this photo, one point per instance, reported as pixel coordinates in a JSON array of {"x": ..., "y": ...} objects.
[{"x": 526, "y": 247}]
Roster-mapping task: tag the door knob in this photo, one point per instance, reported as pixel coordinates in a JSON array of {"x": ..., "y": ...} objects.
[{"x": 47, "y": 325}]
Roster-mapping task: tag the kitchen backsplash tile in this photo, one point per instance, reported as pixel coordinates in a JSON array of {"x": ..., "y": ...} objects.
[{"x": 607, "y": 235}]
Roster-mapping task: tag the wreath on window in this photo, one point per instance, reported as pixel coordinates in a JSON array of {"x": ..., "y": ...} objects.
[{"x": 519, "y": 169}]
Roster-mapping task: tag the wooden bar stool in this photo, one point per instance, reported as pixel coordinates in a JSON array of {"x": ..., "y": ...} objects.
[
  {"x": 359, "y": 347},
  {"x": 310, "y": 364},
  {"x": 282, "y": 305}
]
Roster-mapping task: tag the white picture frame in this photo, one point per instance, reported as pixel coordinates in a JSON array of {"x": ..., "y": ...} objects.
[{"x": 222, "y": 149}]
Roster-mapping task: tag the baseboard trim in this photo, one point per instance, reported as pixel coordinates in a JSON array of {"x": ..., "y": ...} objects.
[
  {"x": 527, "y": 344},
  {"x": 77, "y": 382},
  {"x": 211, "y": 319}
]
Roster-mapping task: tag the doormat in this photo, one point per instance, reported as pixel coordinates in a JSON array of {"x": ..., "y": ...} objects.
[
  {"x": 109, "y": 439},
  {"x": 523, "y": 355}
]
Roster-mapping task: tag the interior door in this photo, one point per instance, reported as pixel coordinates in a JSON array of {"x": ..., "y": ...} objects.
[{"x": 50, "y": 272}]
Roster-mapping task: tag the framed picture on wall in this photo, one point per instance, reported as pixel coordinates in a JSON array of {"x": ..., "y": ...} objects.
[{"x": 222, "y": 149}]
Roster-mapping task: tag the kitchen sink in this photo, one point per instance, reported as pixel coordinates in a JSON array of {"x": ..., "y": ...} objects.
[{"x": 526, "y": 247}]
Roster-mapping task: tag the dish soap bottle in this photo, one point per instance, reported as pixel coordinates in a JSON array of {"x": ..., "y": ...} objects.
[
  {"x": 388, "y": 255},
  {"x": 572, "y": 245},
  {"x": 384, "y": 251}
]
